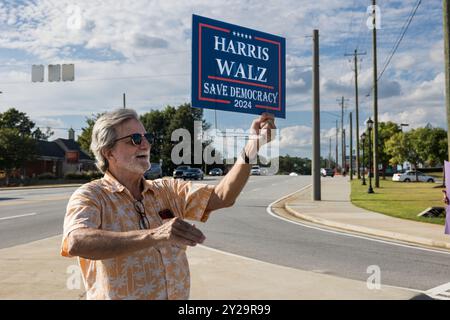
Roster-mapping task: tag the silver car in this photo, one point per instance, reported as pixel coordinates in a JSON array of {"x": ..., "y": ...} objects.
[{"x": 409, "y": 176}]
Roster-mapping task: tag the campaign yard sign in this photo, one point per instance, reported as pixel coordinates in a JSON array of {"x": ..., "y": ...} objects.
[{"x": 237, "y": 69}]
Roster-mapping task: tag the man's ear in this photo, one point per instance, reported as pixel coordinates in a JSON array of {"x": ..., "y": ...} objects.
[{"x": 108, "y": 154}]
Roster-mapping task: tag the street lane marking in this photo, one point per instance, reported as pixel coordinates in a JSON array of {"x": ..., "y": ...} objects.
[
  {"x": 30, "y": 201},
  {"x": 442, "y": 291},
  {"x": 269, "y": 211},
  {"x": 19, "y": 216}
]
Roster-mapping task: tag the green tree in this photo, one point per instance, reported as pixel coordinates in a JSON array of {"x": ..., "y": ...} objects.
[
  {"x": 435, "y": 145},
  {"x": 17, "y": 140},
  {"x": 156, "y": 122},
  {"x": 163, "y": 123},
  {"x": 396, "y": 148},
  {"x": 385, "y": 131},
  {"x": 85, "y": 138},
  {"x": 13, "y": 118},
  {"x": 15, "y": 150},
  {"x": 288, "y": 164},
  {"x": 39, "y": 135}
]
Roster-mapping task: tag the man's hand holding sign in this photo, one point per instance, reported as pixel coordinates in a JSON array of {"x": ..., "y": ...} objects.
[{"x": 262, "y": 131}]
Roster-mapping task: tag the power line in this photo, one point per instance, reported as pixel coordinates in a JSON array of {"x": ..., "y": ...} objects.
[
  {"x": 400, "y": 39},
  {"x": 394, "y": 50}
]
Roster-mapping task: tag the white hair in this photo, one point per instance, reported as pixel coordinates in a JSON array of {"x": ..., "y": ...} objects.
[{"x": 104, "y": 134}]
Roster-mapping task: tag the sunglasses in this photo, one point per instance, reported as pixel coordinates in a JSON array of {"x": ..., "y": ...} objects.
[
  {"x": 136, "y": 138},
  {"x": 143, "y": 220}
]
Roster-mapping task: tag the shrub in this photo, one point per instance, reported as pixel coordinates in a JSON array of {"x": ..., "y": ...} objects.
[
  {"x": 76, "y": 176},
  {"x": 86, "y": 175},
  {"x": 46, "y": 176}
]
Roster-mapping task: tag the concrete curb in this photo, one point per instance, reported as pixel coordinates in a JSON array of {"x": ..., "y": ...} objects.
[{"x": 368, "y": 231}]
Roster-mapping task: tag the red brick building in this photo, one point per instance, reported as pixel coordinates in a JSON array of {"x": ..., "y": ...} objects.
[{"x": 59, "y": 157}]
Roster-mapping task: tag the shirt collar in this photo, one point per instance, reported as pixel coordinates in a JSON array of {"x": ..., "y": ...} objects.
[{"x": 115, "y": 186}]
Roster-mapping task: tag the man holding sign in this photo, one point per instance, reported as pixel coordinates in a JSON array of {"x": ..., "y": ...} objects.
[{"x": 130, "y": 234}]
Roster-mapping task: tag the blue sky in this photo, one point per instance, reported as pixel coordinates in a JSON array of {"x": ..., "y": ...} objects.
[{"x": 143, "y": 48}]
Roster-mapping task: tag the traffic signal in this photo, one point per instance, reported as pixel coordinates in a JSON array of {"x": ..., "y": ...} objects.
[
  {"x": 54, "y": 72},
  {"x": 37, "y": 73},
  {"x": 68, "y": 72}
]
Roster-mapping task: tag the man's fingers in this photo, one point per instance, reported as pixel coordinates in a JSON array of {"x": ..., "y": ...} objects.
[
  {"x": 183, "y": 241},
  {"x": 185, "y": 230},
  {"x": 194, "y": 235}
]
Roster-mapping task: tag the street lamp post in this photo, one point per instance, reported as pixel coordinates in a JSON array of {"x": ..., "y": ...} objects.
[
  {"x": 370, "y": 127},
  {"x": 363, "y": 139}
]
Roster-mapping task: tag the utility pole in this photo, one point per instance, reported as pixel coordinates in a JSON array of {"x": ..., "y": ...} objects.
[
  {"x": 344, "y": 152},
  {"x": 329, "y": 153},
  {"x": 316, "y": 119},
  {"x": 124, "y": 102},
  {"x": 337, "y": 147},
  {"x": 446, "y": 19},
  {"x": 351, "y": 148},
  {"x": 355, "y": 60},
  {"x": 342, "y": 104},
  {"x": 375, "y": 98}
]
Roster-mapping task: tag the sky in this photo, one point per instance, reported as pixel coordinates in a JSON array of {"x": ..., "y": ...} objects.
[{"x": 143, "y": 48}]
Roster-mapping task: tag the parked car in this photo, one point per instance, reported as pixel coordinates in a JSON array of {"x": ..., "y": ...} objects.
[
  {"x": 409, "y": 176},
  {"x": 255, "y": 171},
  {"x": 193, "y": 173},
  {"x": 155, "y": 172},
  {"x": 179, "y": 172},
  {"x": 216, "y": 172},
  {"x": 293, "y": 174},
  {"x": 327, "y": 172}
]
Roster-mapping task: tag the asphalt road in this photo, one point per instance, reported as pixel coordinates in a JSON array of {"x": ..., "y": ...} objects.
[{"x": 247, "y": 229}]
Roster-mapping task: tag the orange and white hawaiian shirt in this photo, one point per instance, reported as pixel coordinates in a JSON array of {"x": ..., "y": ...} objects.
[{"x": 152, "y": 273}]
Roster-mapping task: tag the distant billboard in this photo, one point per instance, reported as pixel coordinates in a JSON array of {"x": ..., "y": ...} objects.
[{"x": 237, "y": 69}]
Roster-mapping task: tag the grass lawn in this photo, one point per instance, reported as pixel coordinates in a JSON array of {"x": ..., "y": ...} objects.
[{"x": 399, "y": 199}]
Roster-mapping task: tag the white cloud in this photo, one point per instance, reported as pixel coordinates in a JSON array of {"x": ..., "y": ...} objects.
[
  {"x": 143, "y": 48},
  {"x": 296, "y": 138},
  {"x": 417, "y": 117}
]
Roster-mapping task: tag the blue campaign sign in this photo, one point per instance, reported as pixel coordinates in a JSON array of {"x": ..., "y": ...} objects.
[{"x": 237, "y": 69}]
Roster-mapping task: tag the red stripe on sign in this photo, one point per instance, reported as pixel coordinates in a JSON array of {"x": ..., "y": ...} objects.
[
  {"x": 214, "y": 27},
  {"x": 242, "y": 82},
  {"x": 267, "y": 40},
  {"x": 214, "y": 100},
  {"x": 267, "y": 107}
]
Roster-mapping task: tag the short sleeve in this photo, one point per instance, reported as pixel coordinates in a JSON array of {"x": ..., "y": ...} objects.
[
  {"x": 192, "y": 199},
  {"x": 83, "y": 211}
]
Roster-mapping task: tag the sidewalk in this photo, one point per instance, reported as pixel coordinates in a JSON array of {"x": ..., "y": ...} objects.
[
  {"x": 36, "y": 271},
  {"x": 336, "y": 211}
]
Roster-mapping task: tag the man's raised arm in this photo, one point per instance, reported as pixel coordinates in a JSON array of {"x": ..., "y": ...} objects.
[{"x": 229, "y": 188}]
